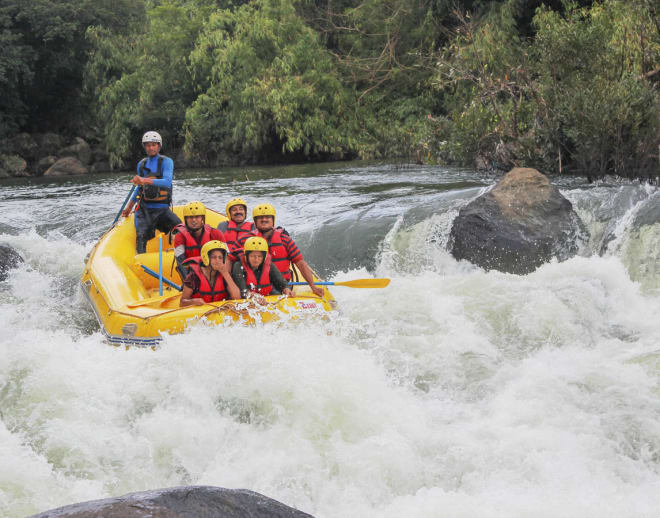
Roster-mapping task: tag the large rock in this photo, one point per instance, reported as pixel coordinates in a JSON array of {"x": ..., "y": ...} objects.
[
  {"x": 49, "y": 143},
  {"x": 12, "y": 165},
  {"x": 180, "y": 502},
  {"x": 24, "y": 145},
  {"x": 523, "y": 222},
  {"x": 66, "y": 166},
  {"x": 79, "y": 149},
  {"x": 100, "y": 167},
  {"x": 44, "y": 164},
  {"x": 9, "y": 258},
  {"x": 100, "y": 155}
]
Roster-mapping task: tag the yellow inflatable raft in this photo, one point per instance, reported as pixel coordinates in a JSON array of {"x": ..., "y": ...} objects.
[{"x": 131, "y": 311}]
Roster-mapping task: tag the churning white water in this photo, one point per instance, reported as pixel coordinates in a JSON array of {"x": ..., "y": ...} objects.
[{"x": 452, "y": 393}]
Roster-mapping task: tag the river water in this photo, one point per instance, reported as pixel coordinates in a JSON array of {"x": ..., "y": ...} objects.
[{"x": 453, "y": 392}]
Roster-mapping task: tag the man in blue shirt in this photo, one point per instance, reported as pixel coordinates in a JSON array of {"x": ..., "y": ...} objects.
[{"x": 154, "y": 181}]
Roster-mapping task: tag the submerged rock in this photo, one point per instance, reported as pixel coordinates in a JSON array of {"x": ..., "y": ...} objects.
[
  {"x": 523, "y": 222},
  {"x": 9, "y": 258},
  {"x": 180, "y": 502}
]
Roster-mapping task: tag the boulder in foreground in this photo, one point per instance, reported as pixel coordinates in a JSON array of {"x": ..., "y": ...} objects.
[
  {"x": 522, "y": 223},
  {"x": 180, "y": 502},
  {"x": 9, "y": 258}
]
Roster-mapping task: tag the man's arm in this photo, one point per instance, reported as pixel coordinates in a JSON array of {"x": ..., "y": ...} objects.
[
  {"x": 168, "y": 174},
  {"x": 278, "y": 281},
  {"x": 127, "y": 210},
  {"x": 296, "y": 257},
  {"x": 237, "y": 273},
  {"x": 234, "y": 292},
  {"x": 309, "y": 277},
  {"x": 165, "y": 181},
  {"x": 187, "y": 294}
]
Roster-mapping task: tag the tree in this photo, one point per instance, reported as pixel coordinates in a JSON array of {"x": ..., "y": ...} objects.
[
  {"x": 272, "y": 89},
  {"x": 144, "y": 81},
  {"x": 44, "y": 53}
]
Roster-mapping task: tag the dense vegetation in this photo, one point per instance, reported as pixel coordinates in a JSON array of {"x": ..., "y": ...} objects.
[{"x": 564, "y": 86}]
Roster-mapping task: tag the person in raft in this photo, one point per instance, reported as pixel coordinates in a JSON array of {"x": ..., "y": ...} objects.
[
  {"x": 192, "y": 235},
  {"x": 281, "y": 247},
  {"x": 209, "y": 279},
  {"x": 237, "y": 229},
  {"x": 255, "y": 271},
  {"x": 154, "y": 181}
]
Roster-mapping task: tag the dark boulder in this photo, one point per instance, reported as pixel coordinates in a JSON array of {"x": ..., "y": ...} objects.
[
  {"x": 12, "y": 165},
  {"x": 100, "y": 167},
  {"x": 25, "y": 146},
  {"x": 180, "y": 502},
  {"x": 521, "y": 223},
  {"x": 79, "y": 149},
  {"x": 100, "y": 155},
  {"x": 649, "y": 212},
  {"x": 44, "y": 164},
  {"x": 49, "y": 143},
  {"x": 9, "y": 258}
]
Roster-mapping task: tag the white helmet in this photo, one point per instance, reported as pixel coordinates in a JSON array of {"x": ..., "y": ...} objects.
[{"x": 152, "y": 136}]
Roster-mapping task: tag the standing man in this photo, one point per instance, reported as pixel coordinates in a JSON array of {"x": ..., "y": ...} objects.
[
  {"x": 236, "y": 230},
  {"x": 154, "y": 181},
  {"x": 192, "y": 235},
  {"x": 281, "y": 247}
]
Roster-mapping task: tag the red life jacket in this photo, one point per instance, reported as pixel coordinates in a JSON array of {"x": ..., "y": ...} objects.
[
  {"x": 263, "y": 285},
  {"x": 279, "y": 254},
  {"x": 207, "y": 292},
  {"x": 234, "y": 233},
  {"x": 193, "y": 248}
]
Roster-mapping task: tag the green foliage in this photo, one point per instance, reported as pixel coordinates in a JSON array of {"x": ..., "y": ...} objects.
[
  {"x": 44, "y": 53},
  {"x": 547, "y": 83},
  {"x": 272, "y": 88},
  {"x": 144, "y": 82},
  {"x": 598, "y": 105},
  {"x": 577, "y": 95}
]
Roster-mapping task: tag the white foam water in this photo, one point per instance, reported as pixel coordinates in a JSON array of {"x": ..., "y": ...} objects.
[{"x": 453, "y": 392}]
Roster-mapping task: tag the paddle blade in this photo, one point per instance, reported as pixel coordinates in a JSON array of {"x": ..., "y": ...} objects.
[{"x": 364, "y": 283}]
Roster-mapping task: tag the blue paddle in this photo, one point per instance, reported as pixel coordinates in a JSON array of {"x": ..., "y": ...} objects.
[{"x": 124, "y": 204}]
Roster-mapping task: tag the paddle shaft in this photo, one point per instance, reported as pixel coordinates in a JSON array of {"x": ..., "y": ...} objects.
[
  {"x": 124, "y": 204},
  {"x": 166, "y": 281},
  {"x": 355, "y": 283},
  {"x": 317, "y": 283},
  {"x": 160, "y": 265}
]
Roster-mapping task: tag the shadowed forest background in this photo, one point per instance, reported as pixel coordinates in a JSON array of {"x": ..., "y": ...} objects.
[{"x": 562, "y": 86}]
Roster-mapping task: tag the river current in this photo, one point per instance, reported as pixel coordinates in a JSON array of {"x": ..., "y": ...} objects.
[{"x": 454, "y": 392}]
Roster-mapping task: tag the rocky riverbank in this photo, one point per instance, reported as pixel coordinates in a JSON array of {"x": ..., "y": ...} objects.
[{"x": 50, "y": 154}]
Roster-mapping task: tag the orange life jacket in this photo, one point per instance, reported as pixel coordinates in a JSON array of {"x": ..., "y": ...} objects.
[
  {"x": 234, "y": 233},
  {"x": 279, "y": 254},
  {"x": 263, "y": 285},
  {"x": 207, "y": 292},
  {"x": 193, "y": 248}
]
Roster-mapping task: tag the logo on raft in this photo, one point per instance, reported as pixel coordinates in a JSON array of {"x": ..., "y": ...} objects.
[{"x": 307, "y": 305}]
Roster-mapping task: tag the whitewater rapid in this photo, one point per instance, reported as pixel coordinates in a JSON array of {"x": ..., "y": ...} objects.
[{"x": 453, "y": 392}]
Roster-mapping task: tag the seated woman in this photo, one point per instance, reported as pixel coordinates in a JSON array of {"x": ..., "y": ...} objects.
[
  {"x": 255, "y": 273},
  {"x": 209, "y": 279}
]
